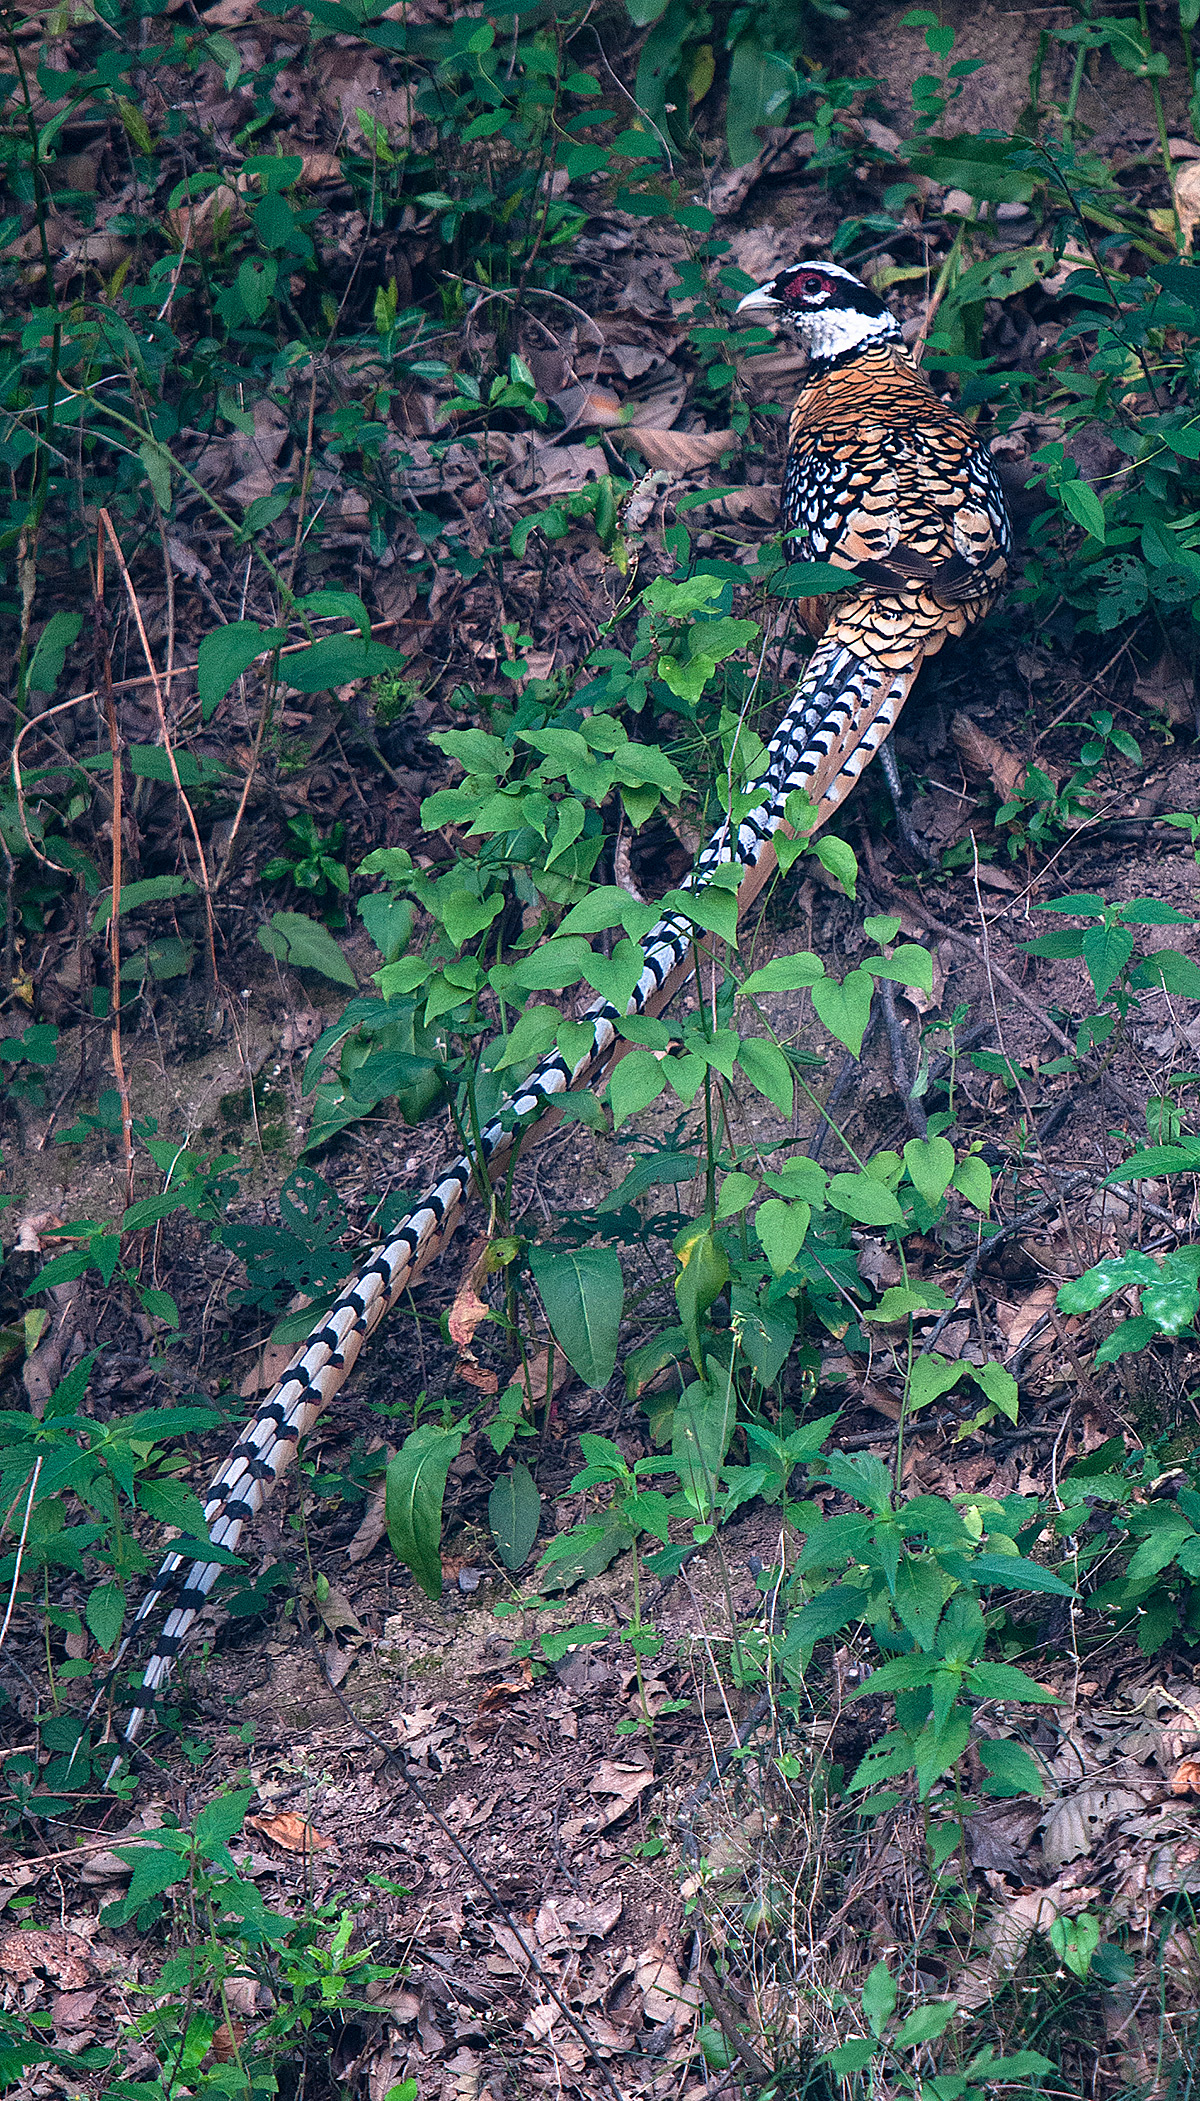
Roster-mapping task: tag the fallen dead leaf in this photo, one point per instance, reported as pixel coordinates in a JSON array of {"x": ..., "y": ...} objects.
[
  {"x": 291, "y": 1833},
  {"x": 1185, "y": 1780},
  {"x": 1187, "y": 201},
  {"x": 665, "y": 1996},
  {"x": 983, "y": 759},
  {"x": 71, "y": 2011},
  {"x": 1010, "y": 1932},
  {"x": 500, "y": 1695},
  {"x": 372, "y": 1526},
  {"x": 62, "y": 1956},
  {"x": 227, "y": 2041},
  {"x": 679, "y": 451}
]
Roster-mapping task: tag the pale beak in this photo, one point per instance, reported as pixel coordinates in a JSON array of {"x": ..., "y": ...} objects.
[{"x": 759, "y": 301}]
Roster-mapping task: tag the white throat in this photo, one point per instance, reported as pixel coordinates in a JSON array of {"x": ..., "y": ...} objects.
[{"x": 832, "y": 334}]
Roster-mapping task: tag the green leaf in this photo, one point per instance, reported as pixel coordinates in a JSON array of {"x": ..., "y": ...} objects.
[
  {"x": 737, "y": 1190},
  {"x": 1003, "y": 1681},
  {"x": 909, "y": 965},
  {"x": 514, "y": 1513},
  {"x": 762, "y": 87},
  {"x": 583, "y": 1292},
  {"x": 973, "y": 1179},
  {"x": 930, "y": 1164},
  {"x": 105, "y": 1613},
  {"x": 924, "y": 2023},
  {"x": 781, "y": 1229},
  {"x": 1106, "y": 951},
  {"x": 868, "y": 1202},
  {"x": 152, "y": 890},
  {"x": 845, "y": 1009},
  {"x": 769, "y": 1071},
  {"x": 982, "y": 167},
  {"x": 636, "y": 1080},
  {"x": 46, "y": 663},
  {"x": 228, "y": 652},
  {"x": 701, "y": 1277},
  {"x": 306, "y": 945},
  {"x": 1014, "y": 1572},
  {"x": 879, "y": 1998},
  {"x": 1085, "y": 508},
  {"x": 853, "y": 2056},
  {"x": 337, "y": 660},
  {"x": 415, "y": 1486},
  {"x": 1010, "y": 1769},
  {"x": 837, "y": 856},
  {"x": 1000, "y": 1387},
  {"x": 784, "y": 974},
  {"x": 1169, "y": 969},
  {"x": 221, "y": 1819}
]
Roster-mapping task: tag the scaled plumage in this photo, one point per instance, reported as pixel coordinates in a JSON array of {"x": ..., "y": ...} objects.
[{"x": 883, "y": 479}]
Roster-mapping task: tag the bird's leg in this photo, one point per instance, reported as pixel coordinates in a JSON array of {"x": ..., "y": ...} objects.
[{"x": 891, "y": 774}]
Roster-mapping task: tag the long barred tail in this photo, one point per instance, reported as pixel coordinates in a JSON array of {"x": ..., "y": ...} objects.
[{"x": 843, "y": 710}]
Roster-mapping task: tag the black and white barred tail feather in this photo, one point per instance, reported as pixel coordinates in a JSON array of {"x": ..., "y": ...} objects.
[{"x": 842, "y": 712}]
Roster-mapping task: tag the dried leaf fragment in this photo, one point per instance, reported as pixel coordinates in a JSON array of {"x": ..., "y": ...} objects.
[{"x": 292, "y": 1833}]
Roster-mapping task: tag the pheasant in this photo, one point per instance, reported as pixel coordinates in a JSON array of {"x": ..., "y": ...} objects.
[{"x": 882, "y": 479}]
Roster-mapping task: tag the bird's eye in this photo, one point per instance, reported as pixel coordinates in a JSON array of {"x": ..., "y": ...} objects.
[{"x": 805, "y": 284}]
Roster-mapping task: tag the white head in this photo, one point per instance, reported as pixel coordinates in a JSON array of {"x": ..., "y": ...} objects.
[{"x": 831, "y": 311}]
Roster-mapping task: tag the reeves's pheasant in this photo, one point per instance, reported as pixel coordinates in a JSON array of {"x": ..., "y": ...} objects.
[{"x": 883, "y": 479}]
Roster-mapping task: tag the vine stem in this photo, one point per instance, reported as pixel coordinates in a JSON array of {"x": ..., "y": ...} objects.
[{"x": 114, "y": 916}]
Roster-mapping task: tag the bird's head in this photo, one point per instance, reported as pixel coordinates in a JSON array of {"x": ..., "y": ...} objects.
[{"x": 831, "y": 311}]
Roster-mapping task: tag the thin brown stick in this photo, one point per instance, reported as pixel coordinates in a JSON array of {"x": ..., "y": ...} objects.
[{"x": 144, "y": 639}]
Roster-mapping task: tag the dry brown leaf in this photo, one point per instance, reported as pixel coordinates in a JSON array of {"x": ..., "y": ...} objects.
[
  {"x": 759, "y": 501},
  {"x": 539, "y": 1383},
  {"x": 291, "y": 1833},
  {"x": 227, "y": 2040},
  {"x": 1185, "y": 1780},
  {"x": 63, "y": 1956},
  {"x": 625, "y": 1781},
  {"x": 196, "y": 224},
  {"x": 665, "y": 1996},
  {"x": 1011, "y": 1930},
  {"x": 1187, "y": 201},
  {"x": 679, "y": 451},
  {"x": 1016, "y": 1322},
  {"x": 588, "y": 408},
  {"x": 499, "y": 1695},
  {"x": 983, "y": 759},
  {"x": 372, "y": 1526},
  {"x": 71, "y": 2011},
  {"x": 477, "y": 1375}
]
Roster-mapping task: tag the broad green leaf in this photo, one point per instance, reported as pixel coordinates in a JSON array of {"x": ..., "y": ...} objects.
[
  {"x": 701, "y": 1429},
  {"x": 924, "y": 2023},
  {"x": 1106, "y": 951},
  {"x": 781, "y": 1229},
  {"x": 1010, "y": 1769},
  {"x": 105, "y": 1613},
  {"x": 608, "y": 907},
  {"x": 930, "y": 1164},
  {"x": 151, "y": 890},
  {"x": 868, "y": 1202},
  {"x": 1175, "y": 973},
  {"x": 636, "y": 1080},
  {"x": 879, "y": 1998},
  {"x": 853, "y": 2056},
  {"x": 980, "y": 166},
  {"x": 583, "y": 1293},
  {"x": 973, "y": 1179},
  {"x": 701, "y": 1277},
  {"x": 1014, "y": 1572},
  {"x": 338, "y": 660},
  {"x": 784, "y": 974},
  {"x": 845, "y": 1009},
  {"x": 737, "y": 1190},
  {"x": 46, "y": 663},
  {"x": 1003, "y": 1681},
  {"x": 221, "y": 1819},
  {"x": 837, "y": 856},
  {"x": 306, "y": 945},
  {"x": 226, "y": 653},
  {"x": 514, "y": 1513},
  {"x": 415, "y": 1486},
  {"x": 901, "y": 1300},
  {"x": 769, "y": 1071},
  {"x": 1085, "y": 507},
  {"x": 909, "y": 965},
  {"x": 1000, "y": 1387},
  {"x": 652, "y": 1171}
]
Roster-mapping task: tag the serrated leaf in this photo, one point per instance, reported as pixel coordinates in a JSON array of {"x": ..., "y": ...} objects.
[
  {"x": 1010, "y": 1769},
  {"x": 306, "y": 945},
  {"x": 105, "y": 1614}
]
